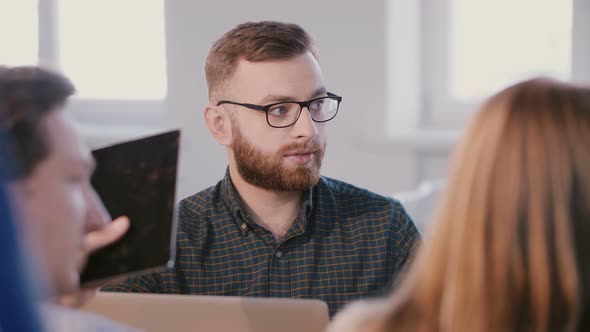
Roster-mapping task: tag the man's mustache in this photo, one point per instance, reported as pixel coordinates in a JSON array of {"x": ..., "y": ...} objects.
[{"x": 311, "y": 146}]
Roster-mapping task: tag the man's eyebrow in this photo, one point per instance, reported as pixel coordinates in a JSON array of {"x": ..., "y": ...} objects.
[
  {"x": 275, "y": 99},
  {"x": 281, "y": 98},
  {"x": 319, "y": 92}
]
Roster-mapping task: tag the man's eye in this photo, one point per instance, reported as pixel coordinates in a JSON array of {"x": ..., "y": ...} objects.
[
  {"x": 278, "y": 110},
  {"x": 317, "y": 106}
]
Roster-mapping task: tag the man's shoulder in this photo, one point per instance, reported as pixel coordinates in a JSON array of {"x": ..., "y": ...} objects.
[
  {"x": 200, "y": 202},
  {"x": 363, "y": 206},
  {"x": 343, "y": 191}
]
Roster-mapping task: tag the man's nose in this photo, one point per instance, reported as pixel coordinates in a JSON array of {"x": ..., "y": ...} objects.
[
  {"x": 97, "y": 215},
  {"x": 304, "y": 126}
]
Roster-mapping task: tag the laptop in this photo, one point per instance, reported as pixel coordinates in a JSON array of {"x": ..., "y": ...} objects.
[
  {"x": 165, "y": 312},
  {"x": 138, "y": 179}
]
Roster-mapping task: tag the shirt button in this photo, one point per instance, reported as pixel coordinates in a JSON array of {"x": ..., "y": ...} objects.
[
  {"x": 244, "y": 226},
  {"x": 279, "y": 254}
]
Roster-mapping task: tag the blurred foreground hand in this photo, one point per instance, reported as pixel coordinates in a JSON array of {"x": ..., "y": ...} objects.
[{"x": 93, "y": 241}]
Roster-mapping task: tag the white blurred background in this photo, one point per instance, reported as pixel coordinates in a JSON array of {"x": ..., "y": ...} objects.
[{"x": 410, "y": 72}]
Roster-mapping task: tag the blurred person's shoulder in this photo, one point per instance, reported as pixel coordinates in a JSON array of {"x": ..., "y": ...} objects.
[
  {"x": 59, "y": 318},
  {"x": 359, "y": 316}
]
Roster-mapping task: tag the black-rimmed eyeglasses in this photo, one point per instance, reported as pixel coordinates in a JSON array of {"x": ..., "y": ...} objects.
[{"x": 286, "y": 113}]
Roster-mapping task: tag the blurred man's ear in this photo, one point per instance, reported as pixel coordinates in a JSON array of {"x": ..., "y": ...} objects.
[{"x": 219, "y": 124}]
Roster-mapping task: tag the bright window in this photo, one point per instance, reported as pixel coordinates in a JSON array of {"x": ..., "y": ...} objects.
[
  {"x": 446, "y": 56},
  {"x": 495, "y": 43},
  {"x": 18, "y": 32},
  {"x": 113, "y": 49}
]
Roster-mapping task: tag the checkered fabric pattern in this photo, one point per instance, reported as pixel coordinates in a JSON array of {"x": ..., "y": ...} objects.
[{"x": 347, "y": 243}]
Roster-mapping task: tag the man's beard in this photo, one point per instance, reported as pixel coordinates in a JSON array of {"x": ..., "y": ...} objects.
[{"x": 269, "y": 172}]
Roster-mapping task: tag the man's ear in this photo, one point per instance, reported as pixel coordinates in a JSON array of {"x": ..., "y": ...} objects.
[{"x": 219, "y": 124}]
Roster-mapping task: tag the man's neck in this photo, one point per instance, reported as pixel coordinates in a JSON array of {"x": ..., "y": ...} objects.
[{"x": 273, "y": 210}]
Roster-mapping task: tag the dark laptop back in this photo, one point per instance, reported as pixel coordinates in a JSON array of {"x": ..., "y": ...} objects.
[{"x": 137, "y": 179}]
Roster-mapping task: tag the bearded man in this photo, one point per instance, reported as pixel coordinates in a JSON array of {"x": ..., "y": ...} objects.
[{"x": 273, "y": 226}]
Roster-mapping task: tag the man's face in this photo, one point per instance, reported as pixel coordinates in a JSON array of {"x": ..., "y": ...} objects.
[
  {"x": 58, "y": 205},
  {"x": 281, "y": 159}
]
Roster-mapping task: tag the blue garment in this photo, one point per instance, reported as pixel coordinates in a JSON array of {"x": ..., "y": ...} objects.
[
  {"x": 346, "y": 243},
  {"x": 17, "y": 309}
]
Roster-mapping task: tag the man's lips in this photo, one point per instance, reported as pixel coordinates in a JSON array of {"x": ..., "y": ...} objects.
[
  {"x": 300, "y": 153},
  {"x": 301, "y": 157}
]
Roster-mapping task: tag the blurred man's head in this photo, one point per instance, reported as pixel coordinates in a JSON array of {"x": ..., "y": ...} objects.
[
  {"x": 279, "y": 148},
  {"x": 50, "y": 176}
]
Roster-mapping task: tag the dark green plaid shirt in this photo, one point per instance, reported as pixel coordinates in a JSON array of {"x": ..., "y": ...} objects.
[{"x": 346, "y": 243}]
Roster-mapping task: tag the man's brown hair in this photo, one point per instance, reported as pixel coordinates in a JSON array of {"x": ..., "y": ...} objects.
[{"x": 253, "y": 41}]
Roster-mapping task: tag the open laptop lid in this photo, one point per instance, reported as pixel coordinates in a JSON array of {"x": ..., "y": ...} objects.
[
  {"x": 166, "y": 312},
  {"x": 137, "y": 179}
]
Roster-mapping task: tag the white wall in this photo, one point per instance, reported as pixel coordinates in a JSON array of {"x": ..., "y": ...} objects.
[
  {"x": 351, "y": 41},
  {"x": 385, "y": 150}
]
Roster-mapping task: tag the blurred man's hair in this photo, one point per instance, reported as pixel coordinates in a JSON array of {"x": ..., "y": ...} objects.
[{"x": 27, "y": 95}]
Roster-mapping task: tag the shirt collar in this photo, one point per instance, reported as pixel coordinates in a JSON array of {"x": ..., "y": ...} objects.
[{"x": 230, "y": 197}]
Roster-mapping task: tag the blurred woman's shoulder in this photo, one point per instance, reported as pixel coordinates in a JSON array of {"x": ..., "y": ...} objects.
[{"x": 360, "y": 316}]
